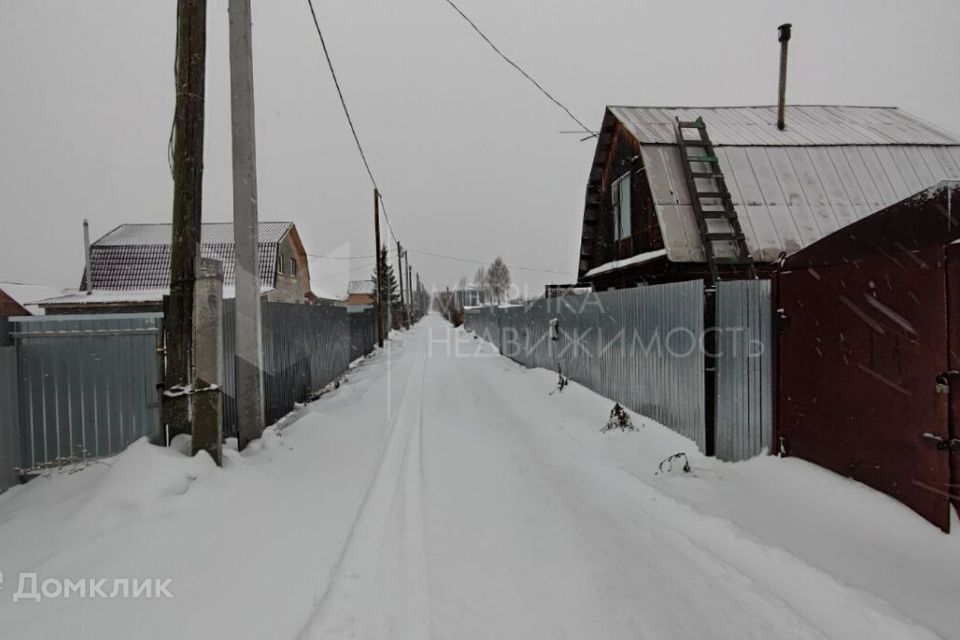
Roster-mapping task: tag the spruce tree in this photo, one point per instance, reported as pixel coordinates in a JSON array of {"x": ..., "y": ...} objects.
[{"x": 390, "y": 290}]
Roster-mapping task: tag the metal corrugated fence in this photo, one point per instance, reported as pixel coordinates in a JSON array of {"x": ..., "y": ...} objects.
[
  {"x": 9, "y": 418},
  {"x": 305, "y": 347},
  {"x": 744, "y": 369},
  {"x": 363, "y": 332},
  {"x": 87, "y": 384},
  {"x": 639, "y": 347}
]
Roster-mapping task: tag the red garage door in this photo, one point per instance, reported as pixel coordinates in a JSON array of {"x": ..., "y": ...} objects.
[
  {"x": 953, "y": 299},
  {"x": 861, "y": 347}
]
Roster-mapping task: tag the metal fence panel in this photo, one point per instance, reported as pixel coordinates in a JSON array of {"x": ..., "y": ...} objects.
[
  {"x": 305, "y": 347},
  {"x": 9, "y": 418},
  {"x": 639, "y": 347},
  {"x": 363, "y": 332},
  {"x": 87, "y": 384},
  {"x": 744, "y": 369}
]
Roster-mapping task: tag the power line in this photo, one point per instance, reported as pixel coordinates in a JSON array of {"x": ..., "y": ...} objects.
[
  {"x": 518, "y": 68},
  {"x": 480, "y": 262},
  {"x": 343, "y": 273},
  {"x": 346, "y": 111},
  {"x": 319, "y": 257}
]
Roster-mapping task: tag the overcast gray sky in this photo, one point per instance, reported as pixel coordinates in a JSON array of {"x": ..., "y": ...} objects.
[{"x": 467, "y": 153}]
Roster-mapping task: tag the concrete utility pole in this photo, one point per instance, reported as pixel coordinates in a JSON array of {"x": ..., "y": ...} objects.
[
  {"x": 249, "y": 359},
  {"x": 187, "y": 197},
  {"x": 207, "y": 398},
  {"x": 378, "y": 302}
]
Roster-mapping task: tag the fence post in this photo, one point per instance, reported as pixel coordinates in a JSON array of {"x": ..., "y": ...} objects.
[
  {"x": 709, "y": 345},
  {"x": 207, "y": 395}
]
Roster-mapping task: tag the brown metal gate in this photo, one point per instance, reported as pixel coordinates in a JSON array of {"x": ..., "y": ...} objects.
[
  {"x": 953, "y": 303},
  {"x": 861, "y": 346}
]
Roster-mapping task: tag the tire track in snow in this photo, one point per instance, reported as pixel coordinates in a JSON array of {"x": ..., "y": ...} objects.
[
  {"x": 809, "y": 602},
  {"x": 378, "y": 588}
]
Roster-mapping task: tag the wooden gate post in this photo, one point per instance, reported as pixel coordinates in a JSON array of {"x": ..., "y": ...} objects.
[{"x": 207, "y": 397}]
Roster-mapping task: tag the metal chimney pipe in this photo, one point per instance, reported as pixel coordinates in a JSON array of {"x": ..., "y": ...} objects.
[
  {"x": 86, "y": 255},
  {"x": 782, "y": 98}
]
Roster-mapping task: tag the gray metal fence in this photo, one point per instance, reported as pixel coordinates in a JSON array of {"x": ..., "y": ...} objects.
[
  {"x": 363, "y": 332},
  {"x": 87, "y": 384},
  {"x": 305, "y": 347},
  {"x": 9, "y": 418},
  {"x": 744, "y": 369},
  {"x": 639, "y": 347}
]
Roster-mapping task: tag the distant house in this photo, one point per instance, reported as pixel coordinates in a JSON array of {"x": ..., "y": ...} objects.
[
  {"x": 361, "y": 292},
  {"x": 130, "y": 268},
  {"x": 471, "y": 296},
  {"x": 18, "y": 299},
  {"x": 830, "y": 167}
]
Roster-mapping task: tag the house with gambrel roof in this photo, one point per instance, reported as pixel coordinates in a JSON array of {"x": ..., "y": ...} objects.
[
  {"x": 130, "y": 267},
  {"x": 828, "y": 168}
]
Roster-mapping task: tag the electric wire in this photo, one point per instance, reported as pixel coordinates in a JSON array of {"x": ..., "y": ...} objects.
[
  {"x": 346, "y": 111},
  {"x": 520, "y": 69}
]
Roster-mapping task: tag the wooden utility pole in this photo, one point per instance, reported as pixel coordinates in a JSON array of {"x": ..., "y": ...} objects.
[
  {"x": 409, "y": 287},
  {"x": 249, "y": 348},
  {"x": 403, "y": 313},
  {"x": 378, "y": 303},
  {"x": 191, "y": 50},
  {"x": 419, "y": 295}
]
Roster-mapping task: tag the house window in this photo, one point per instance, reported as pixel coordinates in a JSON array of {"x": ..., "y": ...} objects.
[
  {"x": 620, "y": 193},
  {"x": 280, "y": 265},
  {"x": 293, "y": 266}
]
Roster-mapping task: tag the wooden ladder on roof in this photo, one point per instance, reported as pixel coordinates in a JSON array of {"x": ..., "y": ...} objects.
[{"x": 713, "y": 209}]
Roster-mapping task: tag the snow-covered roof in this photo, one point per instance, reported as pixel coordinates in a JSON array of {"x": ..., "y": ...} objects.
[
  {"x": 211, "y": 233},
  {"x": 831, "y": 166},
  {"x": 807, "y": 125},
  {"x": 28, "y": 295},
  {"x": 639, "y": 259},
  {"x": 137, "y": 256},
  {"x": 133, "y": 296},
  {"x": 324, "y": 294},
  {"x": 361, "y": 287}
]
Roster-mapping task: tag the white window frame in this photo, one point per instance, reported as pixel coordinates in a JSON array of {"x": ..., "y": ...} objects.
[{"x": 622, "y": 231}]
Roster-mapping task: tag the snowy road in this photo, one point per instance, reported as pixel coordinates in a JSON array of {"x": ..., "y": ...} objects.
[
  {"x": 443, "y": 492},
  {"x": 487, "y": 518}
]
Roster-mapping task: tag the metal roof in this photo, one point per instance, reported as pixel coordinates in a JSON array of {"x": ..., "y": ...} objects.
[
  {"x": 211, "y": 233},
  {"x": 135, "y": 257},
  {"x": 789, "y": 197},
  {"x": 831, "y": 167},
  {"x": 806, "y": 125},
  {"x": 361, "y": 287}
]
